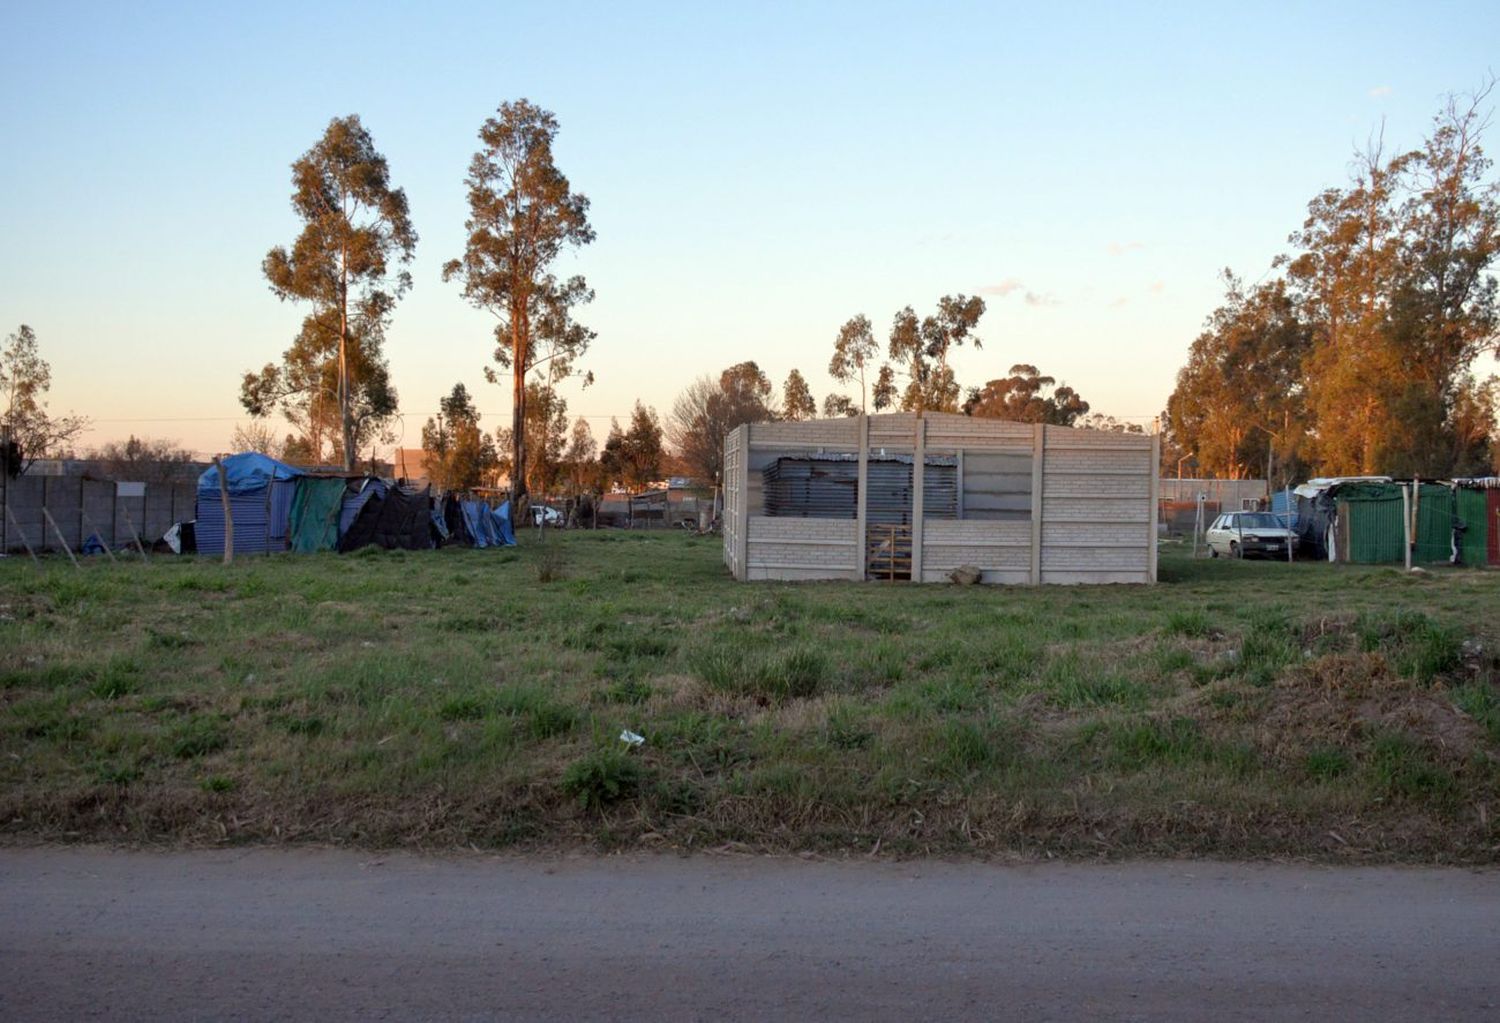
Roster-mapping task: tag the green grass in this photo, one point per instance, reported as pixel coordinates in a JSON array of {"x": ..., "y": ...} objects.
[{"x": 465, "y": 698}]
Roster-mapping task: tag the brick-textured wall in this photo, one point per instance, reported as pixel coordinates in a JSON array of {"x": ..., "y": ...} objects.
[{"x": 804, "y": 543}]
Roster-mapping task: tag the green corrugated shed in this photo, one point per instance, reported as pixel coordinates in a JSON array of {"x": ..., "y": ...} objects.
[
  {"x": 1434, "y": 539},
  {"x": 1373, "y": 529},
  {"x": 1473, "y": 509}
]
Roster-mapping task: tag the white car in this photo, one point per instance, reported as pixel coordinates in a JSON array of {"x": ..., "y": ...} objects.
[
  {"x": 541, "y": 512},
  {"x": 1248, "y": 534}
]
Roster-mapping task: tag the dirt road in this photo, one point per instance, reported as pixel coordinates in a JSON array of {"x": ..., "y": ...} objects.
[{"x": 322, "y": 934}]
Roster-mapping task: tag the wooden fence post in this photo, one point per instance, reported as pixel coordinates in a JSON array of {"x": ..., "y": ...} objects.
[
  {"x": 228, "y": 515},
  {"x": 61, "y": 539}
]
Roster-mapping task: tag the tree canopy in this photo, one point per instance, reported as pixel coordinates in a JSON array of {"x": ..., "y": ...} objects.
[
  {"x": 707, "y": 410},
  {"x": 458, "y": 453},
  {"x": 356, "y": 234},
  {"x": 523, "y": 214},
  {"x": 1026, "y": 397},
  {"x": 27, "y": 430},
  {"x": 1359, "y": 357}
]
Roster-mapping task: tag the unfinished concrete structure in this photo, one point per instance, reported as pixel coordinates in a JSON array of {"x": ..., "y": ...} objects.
[{"x": 903, "y": 496}]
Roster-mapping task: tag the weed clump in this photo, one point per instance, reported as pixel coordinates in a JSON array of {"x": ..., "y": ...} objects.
[{"x": 602, "y": 777}]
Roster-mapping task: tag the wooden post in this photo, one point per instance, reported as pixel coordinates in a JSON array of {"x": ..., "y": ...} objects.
[
  {"x": 1406, "y": 512},
  {"x": 228, "y": 515},
  {"x": 95, "y": 530},
  {"x": 22, "y": 534},
  {"x": 61, "y": 539},
  {"x": 135, "y": 535}
]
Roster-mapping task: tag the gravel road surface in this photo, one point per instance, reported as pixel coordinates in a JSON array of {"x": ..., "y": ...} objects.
[{"x": 317, "y": 934}]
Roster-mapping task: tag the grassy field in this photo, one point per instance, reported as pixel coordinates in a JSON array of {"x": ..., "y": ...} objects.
[{"x": 476, "y": 698}]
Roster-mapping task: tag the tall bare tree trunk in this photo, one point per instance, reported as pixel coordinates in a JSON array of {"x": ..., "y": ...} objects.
[
  {"x": 520, "y": 331},
  {"x": 346, "y": 423}
]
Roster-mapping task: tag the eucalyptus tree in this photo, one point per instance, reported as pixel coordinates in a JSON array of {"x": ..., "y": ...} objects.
[
  {"x": 523, "y": 215},
  {"x": 348, "y": 265}
]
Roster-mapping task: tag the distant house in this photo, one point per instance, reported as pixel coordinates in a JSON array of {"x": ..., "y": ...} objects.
[{"x": 905, "y": 496}]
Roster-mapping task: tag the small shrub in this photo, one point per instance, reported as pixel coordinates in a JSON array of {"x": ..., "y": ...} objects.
[
  {"x": 1101, "y": 691},
  {"x": 308, "y": 726},
  {"x": 1192, "y": 623},
  {"x": 1326, "y": 762},
  {"x": 1480, "y": 701},
  {"x": 602, "y": 777},
  {"x": 217, "y": 783},
  {"x": 464, "y": 708},
  {"x": 552, "y": 719},
  {"x": 1418, "y": 647},
  {"x": 1174, "y": 742},
  {"x": 797, "y": 674},
  {"x": 117, "y": 774},
  {"x": 116, "y": 679},
  {"x": 1401, "y": 767},
  {"x": 550, "y": 565},
  {"x": 844, "y": 729},
  {"x": 629, "y": 690},
  {"x": 198, "y": 737}
]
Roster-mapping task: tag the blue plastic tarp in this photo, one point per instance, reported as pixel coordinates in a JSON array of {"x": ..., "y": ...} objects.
[
  {"x": 246, "y": 472},
  {"x": 476, "y": 520},
  {"x": 501, "y": 515}
]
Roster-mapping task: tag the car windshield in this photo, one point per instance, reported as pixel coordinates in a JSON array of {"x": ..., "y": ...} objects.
[{"x": 1259, "y": 520}]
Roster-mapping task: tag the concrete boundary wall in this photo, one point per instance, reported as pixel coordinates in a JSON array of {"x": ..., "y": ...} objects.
[
  {"x": 82, "y": 507},
  {"x": 1092, "y": 515}
]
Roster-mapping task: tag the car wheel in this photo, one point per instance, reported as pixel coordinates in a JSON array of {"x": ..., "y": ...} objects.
[
  {"x": 1213, "y": 552},
  {"x": 1234, "y": 549}
]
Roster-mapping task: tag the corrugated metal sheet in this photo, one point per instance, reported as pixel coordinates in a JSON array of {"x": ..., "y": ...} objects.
[
  {"x": 1374, "y": 531},
  {"x": 1473, "y": 510},
  {"x": 826, "y": 488},
  {"x": 1435, "y": 514},
  {"x": 261, "y": 519}
]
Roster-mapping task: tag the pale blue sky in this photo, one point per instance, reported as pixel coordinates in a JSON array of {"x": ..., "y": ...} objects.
[{"x": 758, "y": 175}]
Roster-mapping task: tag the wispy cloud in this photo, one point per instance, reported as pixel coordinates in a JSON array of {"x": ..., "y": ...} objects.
[
  {"x": 1157, "y": 287},
  {"x": 1120, "y": 248},
  {"x": 1034, "y": 299},
  {"x": 1005, "y": 287},
  {"x": 1122, "y": 300},
  {"x": 1379, "y": 91}
]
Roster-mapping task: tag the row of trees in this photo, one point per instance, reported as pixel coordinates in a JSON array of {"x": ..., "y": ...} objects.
[
  {"x": 348, "y": 265},
  {"x": 1357, "y": 353},
  {"x": 707, "y": 411}
]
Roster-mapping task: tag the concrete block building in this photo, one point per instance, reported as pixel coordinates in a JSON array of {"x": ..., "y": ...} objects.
[{"x": 907, "y": 496}]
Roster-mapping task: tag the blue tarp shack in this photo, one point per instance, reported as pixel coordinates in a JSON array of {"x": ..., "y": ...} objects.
[
  {"x": 261, "y": 490},
  {"x": 501, "y": 515}
]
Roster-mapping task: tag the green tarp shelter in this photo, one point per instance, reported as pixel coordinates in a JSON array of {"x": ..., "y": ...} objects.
[{"x": 315, "y": 514}]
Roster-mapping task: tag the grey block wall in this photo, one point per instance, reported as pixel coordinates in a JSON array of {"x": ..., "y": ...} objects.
[{"x": 81, "y": 507}]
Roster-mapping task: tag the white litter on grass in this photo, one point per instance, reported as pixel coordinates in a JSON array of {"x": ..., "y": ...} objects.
[{"x": 631, "y": 739}]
